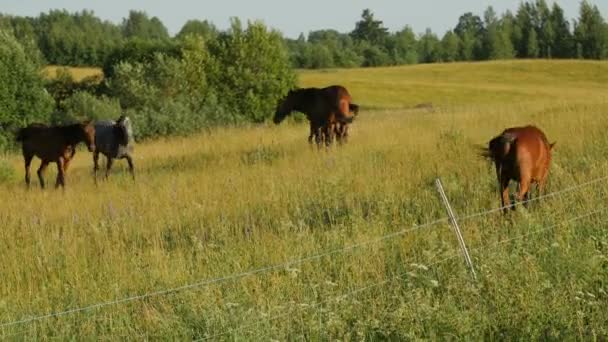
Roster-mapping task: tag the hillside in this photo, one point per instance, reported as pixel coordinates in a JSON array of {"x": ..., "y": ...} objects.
[{"x": 249, "y": 234}]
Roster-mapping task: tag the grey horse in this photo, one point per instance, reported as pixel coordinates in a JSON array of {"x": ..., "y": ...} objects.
[{"x": 114, "y": 139}]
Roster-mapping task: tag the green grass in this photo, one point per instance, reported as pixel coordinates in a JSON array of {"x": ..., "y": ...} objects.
[{"x": 238, "y": 199}]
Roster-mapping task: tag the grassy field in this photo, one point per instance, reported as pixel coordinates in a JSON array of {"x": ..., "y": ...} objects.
[
  {"x": 78, "y": 73},
  {"x": 240, "y": 199}
]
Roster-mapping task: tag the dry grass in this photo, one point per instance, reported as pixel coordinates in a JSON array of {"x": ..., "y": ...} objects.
[
  {"x": 78, "y": 73},
  {"x": 237, "y": 199}
]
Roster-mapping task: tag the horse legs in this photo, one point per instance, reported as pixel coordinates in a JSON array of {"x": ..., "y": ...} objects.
[
  {"x": 312, "y": 133},
  {"x": 60, "y": 173},
  {"x": 40, "y": 172},
  {"x": 328, "y": 132},
  {"x": 109, "y": 163},
  {"x": 28, "y": 161},
  {"x": 318, "y": 136},
  {"x": 131, "y": 167},
  {"x": 504, "y": 188},
  {"x": 524, "y": 189},
  {"x": 95, "y": 165}
]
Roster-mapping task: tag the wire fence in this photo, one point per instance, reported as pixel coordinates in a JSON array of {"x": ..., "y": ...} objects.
[
  {"x": 401, "y": 276},
  {"x": 236, "y": 276}
]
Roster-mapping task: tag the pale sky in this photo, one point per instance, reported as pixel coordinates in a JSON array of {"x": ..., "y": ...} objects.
[{"x": 290, "y": 17}]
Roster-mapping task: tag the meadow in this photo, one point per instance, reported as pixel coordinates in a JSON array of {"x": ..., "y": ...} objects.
[{"x": 358, "y": 232}]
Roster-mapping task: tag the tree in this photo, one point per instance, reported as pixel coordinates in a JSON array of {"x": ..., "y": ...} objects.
[
  {"x": 591, "y": 33},
  {"x": 429, "y": 47},
  {"x": 370, "y": 30},
  {"x": 563, "y": 44},
  {"x": 75, "y": 38},
  {"x": 203, "y": 29},
  {"x": 254, "y": 72},
  {"x": 544, "y": 29},
  {"x": 449, "y": 47},
  {"x": 403, "y": 47},
  {"x": 470, "y": 31},
  {"x": 532, "y": 46},
  {"x": 139, "y": 25},
  {"x": 497, "y": 36},
  {"x": 22, "y": 96}
]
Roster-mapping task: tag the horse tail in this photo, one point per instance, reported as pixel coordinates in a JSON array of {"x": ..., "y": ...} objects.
[{"x": 353, "y": 108}]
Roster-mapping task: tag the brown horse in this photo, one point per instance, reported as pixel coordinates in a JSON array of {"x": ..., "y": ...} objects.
[
  {"x": 324, "y": 108},
  {"x": 522, "y": 154},
  {"x": 340, "y": 129},
  {"x": 53, "y": 144}
]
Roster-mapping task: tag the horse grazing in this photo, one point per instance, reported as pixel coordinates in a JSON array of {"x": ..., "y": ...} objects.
[
  {"x": 53, "y": 144},
  {"x": 522, "y": 154},
  {"x": 340, "y": 129},
  {"x": 114, "y": 139},
  {"x": 325, "y": 109}
]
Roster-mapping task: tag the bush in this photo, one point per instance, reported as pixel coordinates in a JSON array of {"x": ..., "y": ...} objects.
[
  {"x": 253, "y": 71},
  {"x": 83, "y": 106},
  {"x": 238, "y": 77},
  {"x": 23, "y": 98}
]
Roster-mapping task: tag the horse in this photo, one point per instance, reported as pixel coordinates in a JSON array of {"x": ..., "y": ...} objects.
[
  {"x": 53, "y": 144},
  {"x": 522, "y": 154},
  {"x": 340, "y": 129},
  {"x": 113, "y": 139},
  {"x": 324, "y": 108}
]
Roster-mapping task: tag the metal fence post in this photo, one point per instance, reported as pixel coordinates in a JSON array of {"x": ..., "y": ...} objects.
[{"x": 455, "y": 226}]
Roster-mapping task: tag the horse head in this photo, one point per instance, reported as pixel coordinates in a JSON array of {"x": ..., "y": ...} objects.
[
  {"x": 285, "y": 106},
  {"x": 122, "y": 130},
  {"x": 88, "y": 134}
]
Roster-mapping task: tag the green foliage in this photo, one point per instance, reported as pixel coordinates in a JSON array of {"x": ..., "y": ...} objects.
[
  {"x": 63, "y": 86},
  {"x": 75, "y": 39},
  {"x": 138, "y": 50},
  {"x": 83, "y": 105},
  {"x": 22, "y": 95},
  {"x": 369, "y": 29},
  {"x": 591, "y": 32},
  {"x": 449, "y": 47},
  {"x": 139, "y": 25},
  {"x": 253, "y": 72},
  {"x": 204, "y": 29},
  {"x": 429, "y": 48}
]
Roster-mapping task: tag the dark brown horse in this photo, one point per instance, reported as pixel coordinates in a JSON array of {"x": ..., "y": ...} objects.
[
  {"x": 53, "y": 144},
  {"x": 325, "y": 108},
  {"x": 522, "y": 154}
]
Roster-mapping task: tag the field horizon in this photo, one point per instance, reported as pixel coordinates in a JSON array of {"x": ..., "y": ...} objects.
[{"x": 247, "y": 233}]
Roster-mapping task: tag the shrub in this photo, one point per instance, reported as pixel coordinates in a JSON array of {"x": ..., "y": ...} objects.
[{"x": 23, "y": 98}]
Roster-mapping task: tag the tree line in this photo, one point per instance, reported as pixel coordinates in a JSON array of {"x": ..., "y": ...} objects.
[
  {"x": 535, "y": 30},
  {"x": 204, "y": 76}
]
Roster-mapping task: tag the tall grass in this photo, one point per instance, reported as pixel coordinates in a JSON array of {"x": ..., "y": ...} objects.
[{"x": 234, "y": 200}]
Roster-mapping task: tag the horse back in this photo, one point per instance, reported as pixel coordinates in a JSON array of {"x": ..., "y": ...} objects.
[{"x": 533, "y": 144}]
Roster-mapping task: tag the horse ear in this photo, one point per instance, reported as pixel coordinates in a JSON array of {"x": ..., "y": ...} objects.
[{"x": 552, "y": 145}]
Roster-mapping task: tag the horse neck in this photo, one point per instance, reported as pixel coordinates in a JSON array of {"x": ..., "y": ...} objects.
[{"x": 301, "y": 101}]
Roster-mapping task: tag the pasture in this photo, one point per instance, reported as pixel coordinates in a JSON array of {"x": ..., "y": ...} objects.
[{"x": 208, "y": 209}]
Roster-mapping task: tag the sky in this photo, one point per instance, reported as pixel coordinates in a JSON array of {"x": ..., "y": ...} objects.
[{"x": 288, "y": 16}]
